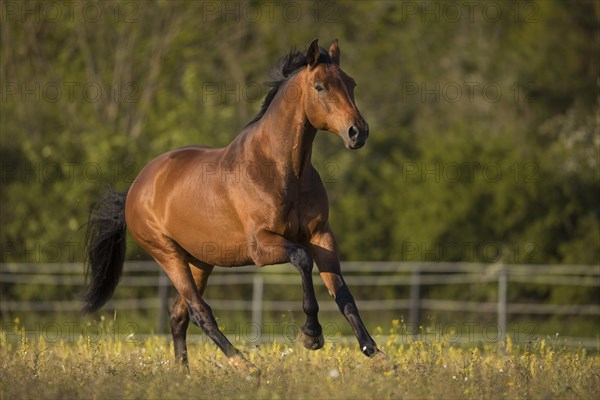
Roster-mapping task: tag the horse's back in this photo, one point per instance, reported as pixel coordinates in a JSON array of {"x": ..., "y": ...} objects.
[{"x": 170, "y": 167}]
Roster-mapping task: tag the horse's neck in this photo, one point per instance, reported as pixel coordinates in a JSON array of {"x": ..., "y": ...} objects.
[{"x": 283, "y": 136}]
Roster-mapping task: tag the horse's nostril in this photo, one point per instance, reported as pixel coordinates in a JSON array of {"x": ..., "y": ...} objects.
[{"x": 353, "y": 132}]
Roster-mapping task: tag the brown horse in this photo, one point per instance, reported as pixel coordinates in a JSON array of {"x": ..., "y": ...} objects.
[{"x": 257, "y": 201}]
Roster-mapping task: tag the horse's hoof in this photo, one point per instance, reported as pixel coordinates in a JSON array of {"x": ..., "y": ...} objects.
[
  {"x": 380, "y": 362},
  {"x": 312, "y": 342},
  {"x": 240, "y": 364}
]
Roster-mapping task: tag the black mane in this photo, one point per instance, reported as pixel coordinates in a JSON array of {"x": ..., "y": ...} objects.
[{"x": 282, "y": 70}]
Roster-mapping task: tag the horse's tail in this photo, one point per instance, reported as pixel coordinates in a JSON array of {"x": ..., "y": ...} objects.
[{"x": 105, "y": 248}]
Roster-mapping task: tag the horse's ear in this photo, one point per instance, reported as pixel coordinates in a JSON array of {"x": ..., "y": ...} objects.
[
  {"x": 334, "y": 52},
  {"x": 313, "y": 54}
]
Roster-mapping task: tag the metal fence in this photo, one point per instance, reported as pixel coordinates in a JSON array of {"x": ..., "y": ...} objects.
[{"x": 376, "y": 274}]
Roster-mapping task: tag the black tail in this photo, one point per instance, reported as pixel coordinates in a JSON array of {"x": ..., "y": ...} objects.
[{"x": 105, "y": 247}]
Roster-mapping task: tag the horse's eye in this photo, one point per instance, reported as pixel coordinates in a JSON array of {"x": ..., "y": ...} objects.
[{"x": 319, "y": 87}]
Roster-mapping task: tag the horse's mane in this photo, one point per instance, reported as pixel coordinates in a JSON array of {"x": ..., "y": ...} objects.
[{"x": 282, "y": 70}]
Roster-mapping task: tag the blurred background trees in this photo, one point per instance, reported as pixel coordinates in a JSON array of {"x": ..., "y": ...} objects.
[{"x": 484, "y": 118}]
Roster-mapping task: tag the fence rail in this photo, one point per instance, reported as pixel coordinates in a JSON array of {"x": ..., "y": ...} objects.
[{"x": 377, "y": 274}]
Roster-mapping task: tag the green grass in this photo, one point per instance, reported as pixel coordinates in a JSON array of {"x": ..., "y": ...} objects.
[{"x": 145, "y": 369}]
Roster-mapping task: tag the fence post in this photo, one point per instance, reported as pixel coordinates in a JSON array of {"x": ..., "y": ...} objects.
[
  {"x": 415, "y": 300},
  {"x": 502, "y": 308},
  {"x": 257, "y": 300},
  {"x": 163, "y": 298}
]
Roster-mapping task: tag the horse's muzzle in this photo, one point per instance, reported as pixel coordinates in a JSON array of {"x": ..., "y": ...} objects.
[{"x": 357, "y": 136}]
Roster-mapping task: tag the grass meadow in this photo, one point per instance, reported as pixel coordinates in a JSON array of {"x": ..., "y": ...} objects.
[{"x": 144, "y": 368}]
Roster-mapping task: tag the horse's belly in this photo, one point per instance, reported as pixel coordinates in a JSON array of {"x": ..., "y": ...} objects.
[{"x": 216, "y": 246}]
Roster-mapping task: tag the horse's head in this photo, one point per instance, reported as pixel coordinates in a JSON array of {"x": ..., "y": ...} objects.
[{"x": 329, "y": 98}]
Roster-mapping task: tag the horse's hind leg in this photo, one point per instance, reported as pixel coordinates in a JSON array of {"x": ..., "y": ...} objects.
[
  {"x": 174, "y": 261},
  {"x": 179, "y": 319},
  {"x": 179, "y": 316}
]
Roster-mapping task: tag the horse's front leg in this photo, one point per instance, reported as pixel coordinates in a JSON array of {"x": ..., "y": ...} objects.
[
  {"x": 270, "y": 248},
  {"x": 326, "y": 255}
]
